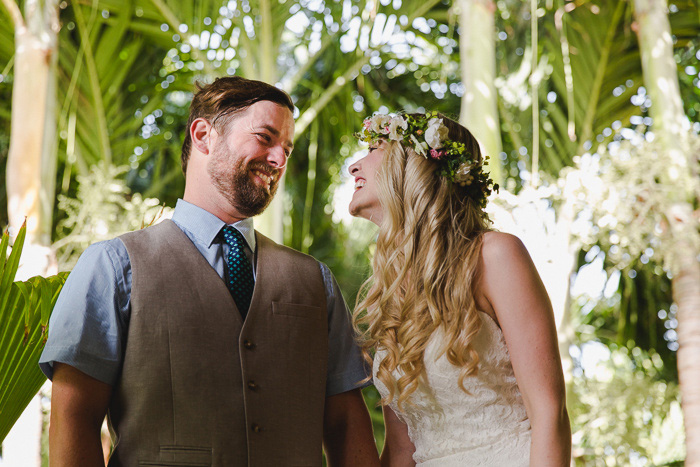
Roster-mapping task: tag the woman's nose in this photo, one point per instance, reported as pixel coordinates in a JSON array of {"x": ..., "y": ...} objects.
[{"x": 354, "y": 168}]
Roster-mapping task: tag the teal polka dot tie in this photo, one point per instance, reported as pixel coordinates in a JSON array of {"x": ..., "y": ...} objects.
[{"x": 239, "y": 280}]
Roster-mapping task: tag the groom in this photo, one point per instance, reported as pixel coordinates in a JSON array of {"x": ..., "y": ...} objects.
[{"x": 203, "y": 341}]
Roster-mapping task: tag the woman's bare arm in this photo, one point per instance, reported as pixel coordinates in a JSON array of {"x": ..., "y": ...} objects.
[{"x": 513, "y": 290}]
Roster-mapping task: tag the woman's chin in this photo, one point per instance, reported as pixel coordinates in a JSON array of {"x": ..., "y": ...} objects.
[{"x": 354, "y": 211}]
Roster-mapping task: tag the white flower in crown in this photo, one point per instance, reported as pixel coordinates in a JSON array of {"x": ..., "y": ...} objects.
[
  {"x": 379, "y": 124},
  {"x": 463, "y": 174},
  {"x": 420, "y": 148},
  {"x": 436, "y": 133},
  {"x": 395, "y": 124}
]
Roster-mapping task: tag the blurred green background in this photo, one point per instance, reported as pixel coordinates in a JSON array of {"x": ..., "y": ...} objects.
[{"x": 593, "y": 138}]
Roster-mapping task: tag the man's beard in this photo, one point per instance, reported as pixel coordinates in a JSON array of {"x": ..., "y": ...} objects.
[{"x": 232, "y": 178}]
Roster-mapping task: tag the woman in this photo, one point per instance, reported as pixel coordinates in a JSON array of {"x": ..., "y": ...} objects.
[{"x": 462, "y": 331}]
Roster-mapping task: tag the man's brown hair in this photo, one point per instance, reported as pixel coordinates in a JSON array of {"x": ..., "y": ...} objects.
[{"x": 219, "y": 101}]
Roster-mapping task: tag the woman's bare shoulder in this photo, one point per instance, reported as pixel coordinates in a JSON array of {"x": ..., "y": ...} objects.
[{"x": 500, "y": 246}]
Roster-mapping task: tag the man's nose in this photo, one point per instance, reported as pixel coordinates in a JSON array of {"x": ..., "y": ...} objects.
[{"x": 277, "y": 157}]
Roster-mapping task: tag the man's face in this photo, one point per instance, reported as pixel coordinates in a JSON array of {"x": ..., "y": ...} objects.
[{"x": 250, "y": 156}]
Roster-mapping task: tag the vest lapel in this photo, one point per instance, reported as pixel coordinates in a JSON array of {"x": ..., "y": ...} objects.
[
  {"x": 183, "y": 241},
  {"x": 262, "y": 270}
]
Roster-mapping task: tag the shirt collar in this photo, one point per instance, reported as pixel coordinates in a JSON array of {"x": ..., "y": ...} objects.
[{"x": 205, "y": 226}]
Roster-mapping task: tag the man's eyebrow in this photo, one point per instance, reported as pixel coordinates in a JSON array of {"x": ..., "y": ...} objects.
[
  {"x": 276, "y": 132},
  {"x": 271, "y": 129}
]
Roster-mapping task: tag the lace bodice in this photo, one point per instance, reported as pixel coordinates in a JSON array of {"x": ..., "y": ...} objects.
[{"x": 488, "y": 427}]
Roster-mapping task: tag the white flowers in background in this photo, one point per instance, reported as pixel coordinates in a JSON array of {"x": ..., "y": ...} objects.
[
  {"x": 395, "y": 124},
  {"x": 625, "y": 201},
  {"x": 104, "y": 207},
  {"x": 436, "y": 133}
]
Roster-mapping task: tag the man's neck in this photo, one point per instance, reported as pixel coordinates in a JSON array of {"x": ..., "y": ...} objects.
[{"x": 215, "y": 204}]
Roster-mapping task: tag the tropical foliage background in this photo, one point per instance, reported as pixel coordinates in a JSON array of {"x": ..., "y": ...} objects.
[{"x": 588, "y": 108}]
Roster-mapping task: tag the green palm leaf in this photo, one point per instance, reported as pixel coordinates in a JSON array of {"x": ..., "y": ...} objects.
[{"x": 24, "y": 313}]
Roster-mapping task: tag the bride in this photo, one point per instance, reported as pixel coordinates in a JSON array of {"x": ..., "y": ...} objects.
[{"x": 460, "y": 325}]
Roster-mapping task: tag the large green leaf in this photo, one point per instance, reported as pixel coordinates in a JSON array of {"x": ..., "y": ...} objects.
[{"x": 24, "y": 315}]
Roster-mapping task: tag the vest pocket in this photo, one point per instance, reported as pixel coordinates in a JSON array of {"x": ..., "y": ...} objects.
[
  {"x": 295, "y": 309},
  {"x": 181, "y": 456},
  {"x": 172, "y": 464}
]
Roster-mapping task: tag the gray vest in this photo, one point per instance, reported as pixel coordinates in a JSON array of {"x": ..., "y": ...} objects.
[{"x": 199, "y": 387}]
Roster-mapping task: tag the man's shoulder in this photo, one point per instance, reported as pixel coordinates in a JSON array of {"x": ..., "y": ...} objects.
[
  {"x": 112, "y": 249},
  {"x": 103, "y": 262},
  {"x": 152, "y": 238},
  {"x": 265, "y": 242},
  {"x": 151, "y": 230}
]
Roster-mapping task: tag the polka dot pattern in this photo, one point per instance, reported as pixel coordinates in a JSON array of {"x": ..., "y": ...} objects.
[{"x": 239, "y": 279}]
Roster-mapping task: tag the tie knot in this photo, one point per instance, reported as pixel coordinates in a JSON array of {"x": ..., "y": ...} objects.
[{"x": 233, "y": 237}]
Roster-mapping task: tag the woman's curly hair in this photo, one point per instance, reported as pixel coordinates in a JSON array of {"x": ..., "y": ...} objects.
[{"x": 424, "y": 269}]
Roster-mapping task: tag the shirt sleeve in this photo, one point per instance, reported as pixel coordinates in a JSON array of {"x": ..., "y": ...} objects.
[
  {"x": 346, "y": 367},
  {"x": 87, "y": 328}
]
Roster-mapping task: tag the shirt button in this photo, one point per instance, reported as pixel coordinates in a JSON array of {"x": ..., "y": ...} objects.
[
  {"x": 248, "y": 344},
  {"x": 256, "y": 428},
  {"x": 252, "y": 386}
]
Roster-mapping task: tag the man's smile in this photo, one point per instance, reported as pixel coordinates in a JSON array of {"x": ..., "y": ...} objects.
[{"x": 266, "y": 177}]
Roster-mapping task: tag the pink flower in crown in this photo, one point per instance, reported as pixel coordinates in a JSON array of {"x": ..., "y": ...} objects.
[
  {"x": 367, "y": 123},
  {"x": 436, "y": 154}
]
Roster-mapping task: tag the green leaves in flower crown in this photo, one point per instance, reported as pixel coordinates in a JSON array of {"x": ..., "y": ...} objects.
[{"x": 427, "y": 135}]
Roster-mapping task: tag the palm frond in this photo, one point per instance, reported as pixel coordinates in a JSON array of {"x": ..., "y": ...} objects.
[{"x": 24, "y": 312}]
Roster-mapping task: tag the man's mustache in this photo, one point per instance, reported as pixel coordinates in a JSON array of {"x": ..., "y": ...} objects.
[{"x": 272, "y": 171}]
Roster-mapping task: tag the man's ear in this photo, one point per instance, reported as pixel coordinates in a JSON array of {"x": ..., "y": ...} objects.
[{"x": 200, "y": 132}]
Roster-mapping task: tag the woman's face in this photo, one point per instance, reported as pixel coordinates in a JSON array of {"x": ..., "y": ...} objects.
[{"x": 365, "y": 200}]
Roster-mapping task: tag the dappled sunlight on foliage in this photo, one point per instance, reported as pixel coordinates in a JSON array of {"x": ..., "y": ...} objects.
[
  {"x": 637, "y": 199},
  {"x": 609, "y": 198},
  {"x": 622, "y": 412},
  {"x": 103, "y": 208}
]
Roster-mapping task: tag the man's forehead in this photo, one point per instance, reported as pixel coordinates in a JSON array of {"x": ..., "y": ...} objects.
[{"x": 268, "y": 113}]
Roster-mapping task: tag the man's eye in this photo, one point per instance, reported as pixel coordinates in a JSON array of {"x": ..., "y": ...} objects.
[{"x": 265, "y": 137}]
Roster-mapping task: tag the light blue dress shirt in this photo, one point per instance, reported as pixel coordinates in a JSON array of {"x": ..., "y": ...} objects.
[{"x": 89, "y": 324}]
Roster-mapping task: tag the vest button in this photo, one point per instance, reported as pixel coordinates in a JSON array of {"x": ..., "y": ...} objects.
[
  {"x": 252, "y": 386},
  {"x": 256, "y": 428},
  {"x": 248, "y": 344}
]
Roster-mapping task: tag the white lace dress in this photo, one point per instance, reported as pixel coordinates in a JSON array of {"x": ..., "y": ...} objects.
[{"x": 450, "y": 428}]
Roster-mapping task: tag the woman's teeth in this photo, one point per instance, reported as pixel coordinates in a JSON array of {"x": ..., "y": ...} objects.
[{"x": 359, "y": 184}]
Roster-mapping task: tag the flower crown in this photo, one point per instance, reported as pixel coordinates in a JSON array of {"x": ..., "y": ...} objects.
[{"x": 427, "y": 136}]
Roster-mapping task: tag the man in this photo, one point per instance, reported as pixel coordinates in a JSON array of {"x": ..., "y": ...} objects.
[{"x": 256, "y": 369}]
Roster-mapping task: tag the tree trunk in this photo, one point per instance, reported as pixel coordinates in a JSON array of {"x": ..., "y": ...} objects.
[
  {"x": 477, "y": 54},
  {"x": 686, "y": 294},
  {"x": 31, "y": 173},
  {"x": 31, "y": 162},
  {"x": 271, "y": 221},
  {"x": 671, "y": 127}
]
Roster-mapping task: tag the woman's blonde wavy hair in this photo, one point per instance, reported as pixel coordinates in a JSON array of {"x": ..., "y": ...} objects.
[{"x": 424, "y": 269}]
